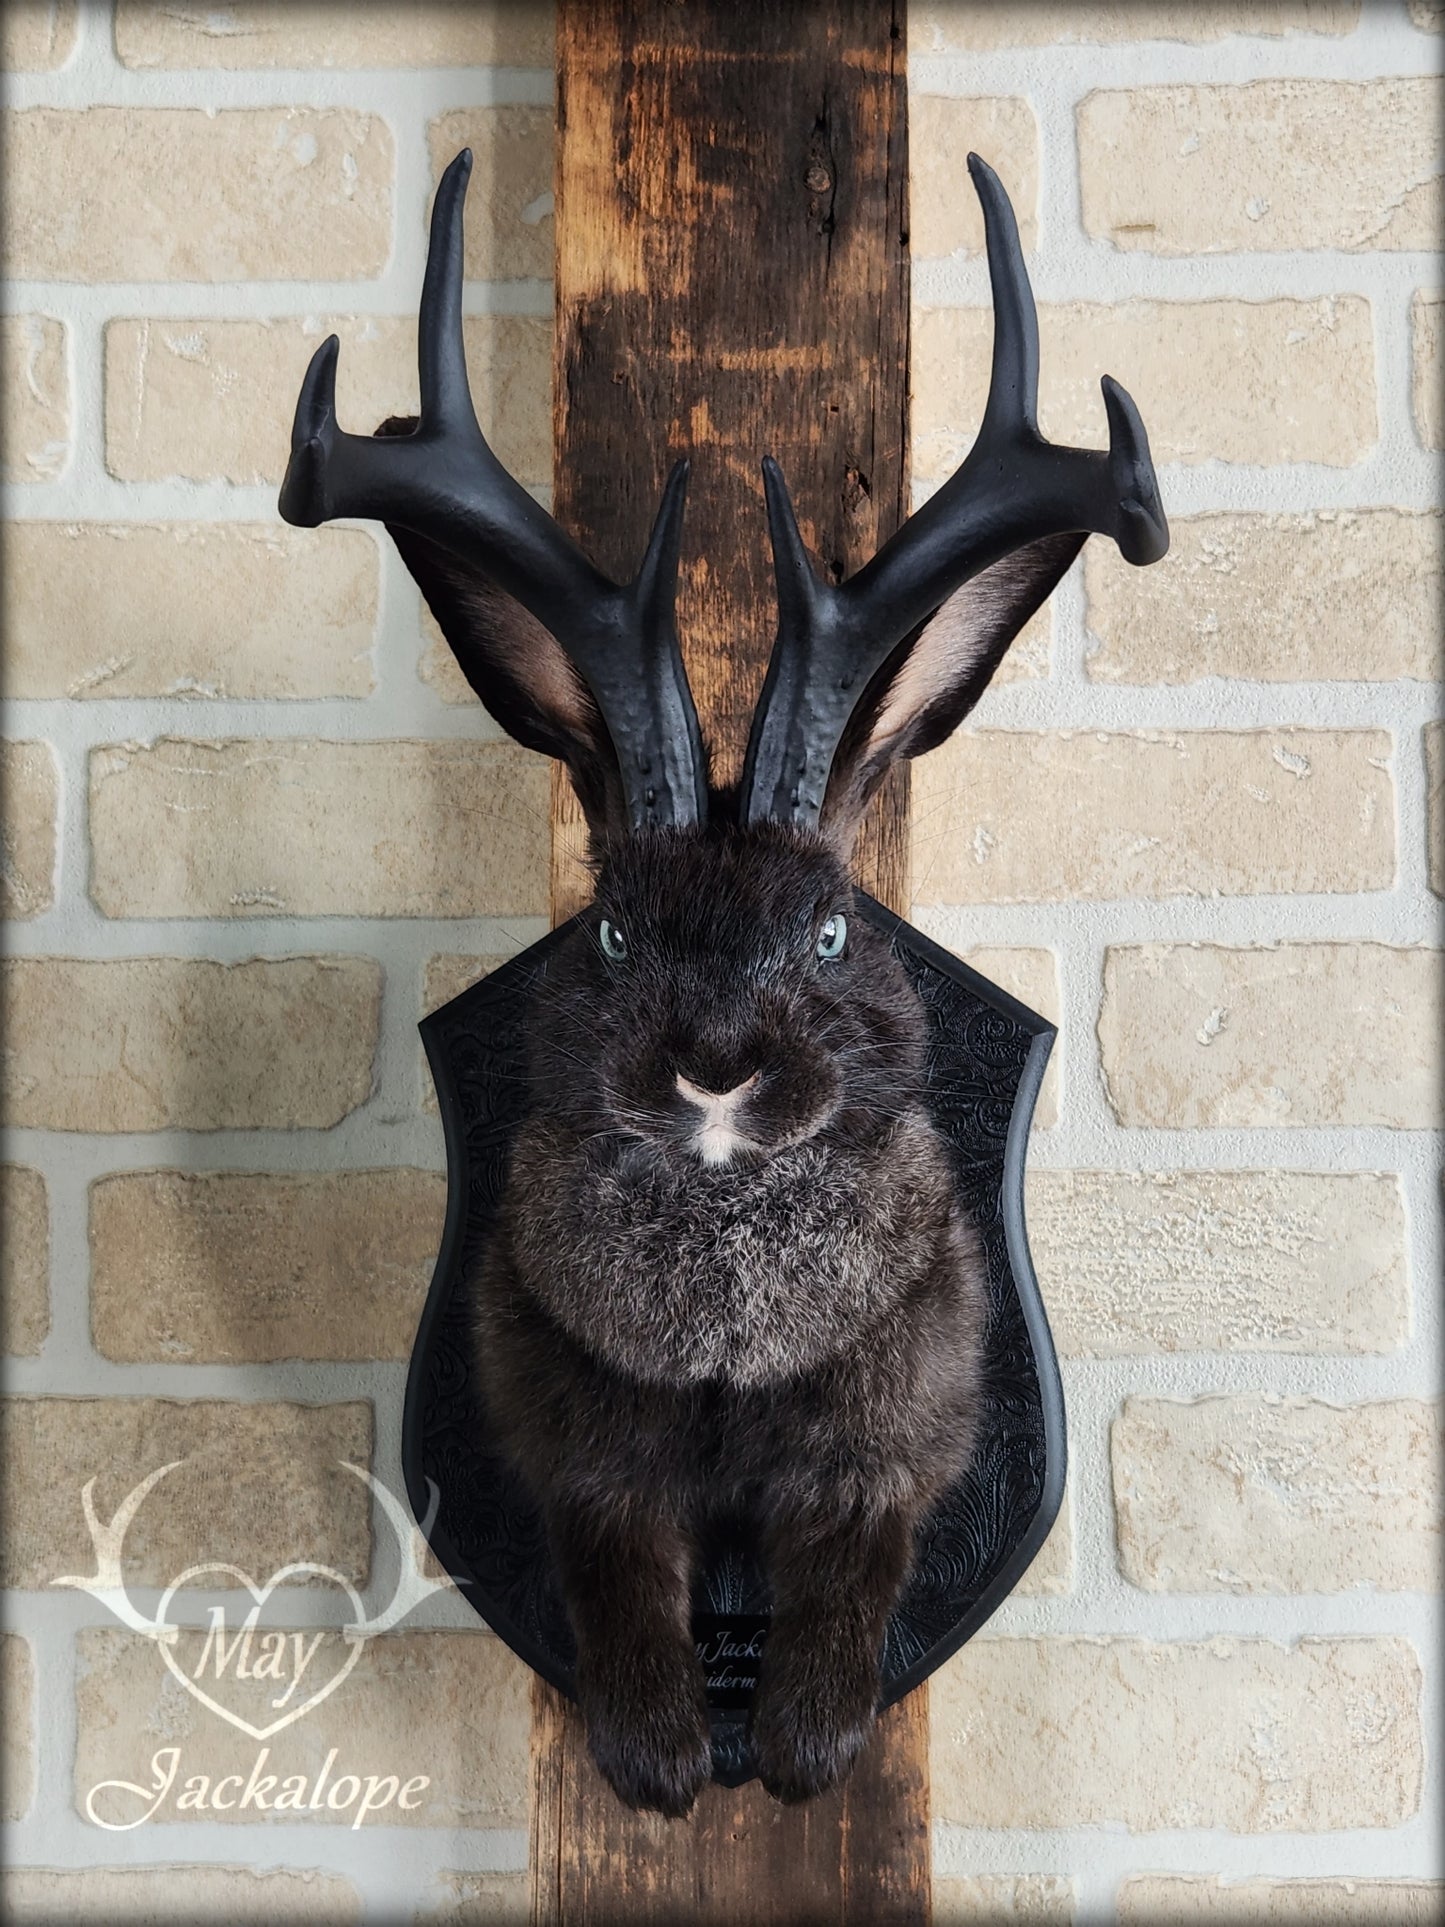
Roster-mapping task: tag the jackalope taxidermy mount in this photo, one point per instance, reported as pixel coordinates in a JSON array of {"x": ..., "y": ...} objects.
[{"x": 731, "y": 1278}]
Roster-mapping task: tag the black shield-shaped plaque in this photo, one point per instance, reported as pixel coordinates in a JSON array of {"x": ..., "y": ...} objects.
[{"x": 986, "y": 1058}]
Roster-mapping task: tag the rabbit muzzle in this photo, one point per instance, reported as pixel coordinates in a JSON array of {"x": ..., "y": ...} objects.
[
  {"x": 718, "y": 1135},
  {"x": 730, "y": 1095}
]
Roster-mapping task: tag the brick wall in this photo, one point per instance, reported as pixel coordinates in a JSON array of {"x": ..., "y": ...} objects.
[
  {"x": 1202, "y": 820},
  {"x": 255, "y": 826}
]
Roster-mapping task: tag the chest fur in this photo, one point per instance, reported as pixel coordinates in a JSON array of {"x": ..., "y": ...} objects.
[{"x": 679, "y": 1273}]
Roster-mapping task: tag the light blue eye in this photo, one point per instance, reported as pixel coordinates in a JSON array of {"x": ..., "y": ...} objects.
[
  {"x": 833, "y": 938},
  {"x": 614, "y": 944}
]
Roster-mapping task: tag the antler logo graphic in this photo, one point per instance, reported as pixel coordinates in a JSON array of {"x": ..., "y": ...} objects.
[{"x": 247, "y": 1652}]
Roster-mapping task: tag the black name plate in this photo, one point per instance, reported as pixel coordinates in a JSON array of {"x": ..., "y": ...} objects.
[{"x": 729, "y": 1648}]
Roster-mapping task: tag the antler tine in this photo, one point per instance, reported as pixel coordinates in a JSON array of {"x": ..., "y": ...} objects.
[
  {"x": 670, "y": 756},
  {"x": 444, "y": 483},
  {"x": 304, "y": 501},
  {"x": 441, "y": 356},
  {"x": 811, "y": 686},
  {"x": 442, "y": 480},
  {"x": 1013, "y": 388},
  {"x": 1012, "y": 488}
]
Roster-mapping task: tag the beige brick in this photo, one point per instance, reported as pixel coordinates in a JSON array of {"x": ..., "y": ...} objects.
[
  {"x": 1427, "y": 329},
  {"x": 1030, "y": 654},
  {"x": 1239, "y": 1734},
  {"x": 183, "y": 194},
  {"x": 29, "y": 802},
  {"x": 1052, "y": 1573},
  {"x": 315, "y": 33},
  {"x": 478, "y": 1900},
  {"x": 1337, "y": 595},
  {"x": 944, "y": 214},
  {"x": 291, "y": 828},
  {"x": 1435, "y": 805},
  {"x": 438, "y": 667},
  {"x": 17, "y": 1751},
  {"x": 36, "y": 36},
  {"x": 450, "y": 1707},
  {"x": 231, "y": 610},
  {"x": 509, "y": 206},
  {"x": 1230, "y": 381},
  {"x": 34, "y": 395},
  {"x": 1199, "y": 1036},
  {"x": 213, "y": 400},
  {"x": 168, "y": 1896},
  {"x": 181, "y": 1043},
  {"x": 24, "y": 1262},
  {"x": 1033, "y": 977},
  {"x": 258, "y": 1485},
  {"x": 1277, "y": 1494},
  {"x": 447, "y": 977},
  {"x": 1147, "y": 1899},
  {"x": 229, "y": 1267},
  {"x": 1271, "y": 165},
  {"x": 977, "y": 26},
  {"x": 1427, "y": 15},
  {"x": 1014, "y": 816},
  {"x": 1134, "y": 1262},
  {"x": 985, "y": 1899}
]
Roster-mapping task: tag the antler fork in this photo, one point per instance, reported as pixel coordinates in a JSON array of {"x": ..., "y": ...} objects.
[
  {"x": 1012, "y": 488},
  {"x": 443, "y": 482},
  {"x": 107, "y": 1582}
]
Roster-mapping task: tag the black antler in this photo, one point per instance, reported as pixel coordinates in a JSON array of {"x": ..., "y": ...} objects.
[
  {"x": 1012, "y": 488},
  {"x": 444, "y": 482}
]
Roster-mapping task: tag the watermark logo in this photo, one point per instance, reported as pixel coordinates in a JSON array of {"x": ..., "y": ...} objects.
[{"x": 258, "y": 1679}]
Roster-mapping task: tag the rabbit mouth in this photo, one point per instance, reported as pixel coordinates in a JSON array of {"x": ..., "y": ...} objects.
[
  {"x": 717, "y": 1144},
  {"x": 705, "y": 1113}
]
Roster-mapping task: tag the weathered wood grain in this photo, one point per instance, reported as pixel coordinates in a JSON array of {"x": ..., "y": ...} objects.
[
  {"x": 732, "y": 281},
  {"x": 857, "y": 1857}
]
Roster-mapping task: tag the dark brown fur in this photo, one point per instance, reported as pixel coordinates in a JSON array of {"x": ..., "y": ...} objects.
[{"x": 792, "y": 1337}]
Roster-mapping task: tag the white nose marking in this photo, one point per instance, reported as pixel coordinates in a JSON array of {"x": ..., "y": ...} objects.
[
  {"x": 717, "y": 1136},
  {"x": 715, "y": 1100}
]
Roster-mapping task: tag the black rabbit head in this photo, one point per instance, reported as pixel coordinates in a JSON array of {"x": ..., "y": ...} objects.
[{"x": 728, "y": 1001}]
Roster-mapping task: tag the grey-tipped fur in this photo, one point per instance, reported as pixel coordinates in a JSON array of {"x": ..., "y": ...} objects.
[{"x": 791, "y": 1339}]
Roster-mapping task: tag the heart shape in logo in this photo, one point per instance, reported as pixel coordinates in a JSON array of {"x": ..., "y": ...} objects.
[{"x": 260, "y": 1594}]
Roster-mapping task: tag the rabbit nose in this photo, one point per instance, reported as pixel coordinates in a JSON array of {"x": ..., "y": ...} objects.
[{"x": 701, "y": 1094}]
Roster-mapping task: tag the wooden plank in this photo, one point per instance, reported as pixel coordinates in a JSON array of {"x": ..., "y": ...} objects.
[
  {"x": 856, "y": 1857},
  {"x": 732, "y": 281}
]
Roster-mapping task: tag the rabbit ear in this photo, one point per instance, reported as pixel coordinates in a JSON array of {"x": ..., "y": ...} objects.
[
  {"x": 920, "y": 628},
  {"x": 518, "y": 669},
  {"x": 934, "y": 677},
  {"x": 522, "y": 675}
]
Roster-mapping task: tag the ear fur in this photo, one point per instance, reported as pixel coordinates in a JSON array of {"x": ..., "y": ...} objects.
[
  {"x": 518, "y": 669},
  {"x": 936, "y": 675}
]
